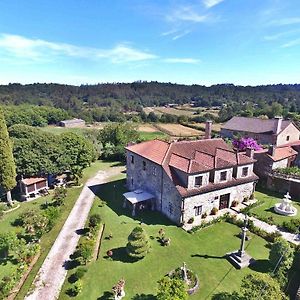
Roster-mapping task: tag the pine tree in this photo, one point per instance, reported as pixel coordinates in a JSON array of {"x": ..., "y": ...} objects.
[
  {"x": 7, "y": 164},
  {"x": 138, "y": 243}
]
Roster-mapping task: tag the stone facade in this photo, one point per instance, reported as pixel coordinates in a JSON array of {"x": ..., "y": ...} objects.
[{"x": 212, "y": 199}]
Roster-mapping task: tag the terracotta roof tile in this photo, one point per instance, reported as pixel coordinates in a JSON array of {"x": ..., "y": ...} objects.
[
  {"x": 154, "y": 150},
  {"x": 32, "y": 180},
  {"x": 282, "y": 153}
]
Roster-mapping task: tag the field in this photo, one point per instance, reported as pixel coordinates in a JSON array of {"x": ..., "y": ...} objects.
[
  {"x": 215, "y": 126},
  {"x": 183, "y": 110},
  {"x": 203, "y": 252},
  {"x": 178, "y": 130}
]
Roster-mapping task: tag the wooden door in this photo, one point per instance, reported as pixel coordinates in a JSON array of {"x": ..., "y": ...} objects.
[{"x": 224, "y": 201}]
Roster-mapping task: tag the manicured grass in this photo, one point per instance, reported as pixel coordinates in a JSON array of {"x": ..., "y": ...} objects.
[
  {"x": 203, "y": 252},
  {"x": 266, "y": 210},
  {"x": 47, "y": 239}
]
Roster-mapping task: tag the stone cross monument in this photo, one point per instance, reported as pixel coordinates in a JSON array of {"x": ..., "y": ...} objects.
[{"x": 240, "y": 259}]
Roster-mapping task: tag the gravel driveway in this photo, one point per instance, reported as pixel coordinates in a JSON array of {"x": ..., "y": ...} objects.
[{"x": 52, "y": 273}]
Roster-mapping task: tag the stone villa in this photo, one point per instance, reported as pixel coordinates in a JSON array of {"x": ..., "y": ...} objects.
[
  {"x": 275, "y": 131},
  {"x": 187, "y": 179}
]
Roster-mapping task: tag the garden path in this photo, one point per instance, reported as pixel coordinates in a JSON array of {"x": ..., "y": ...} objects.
[
  {"x": 52, "y": 273},
  {"x": 290, "y": 237}
]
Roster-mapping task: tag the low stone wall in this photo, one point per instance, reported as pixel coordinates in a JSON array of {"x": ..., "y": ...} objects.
[{"x": 283, "y": 183}]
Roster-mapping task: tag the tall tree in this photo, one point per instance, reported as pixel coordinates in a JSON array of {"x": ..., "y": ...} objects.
[{"x": 7, "y": 164}]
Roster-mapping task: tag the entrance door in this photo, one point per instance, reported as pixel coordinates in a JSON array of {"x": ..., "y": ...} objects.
[{"x": 224, "y": 201}]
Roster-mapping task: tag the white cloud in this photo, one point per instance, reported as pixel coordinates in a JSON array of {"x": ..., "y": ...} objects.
[
  {"x": 37, "y": 49},
  {"x": 177, "y": 60},
  {"x": 285, "y": 21},
  {"x": 180, "y": 35},
  {"x": 292, "y": 43},
  {"x": 211, "y": 3},
  {"x": 187, "y": 14}
]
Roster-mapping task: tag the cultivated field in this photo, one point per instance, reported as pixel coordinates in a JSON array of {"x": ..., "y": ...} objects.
[
  {"x": 183, "y": 110},
  {"x": 178, "y": 130}
]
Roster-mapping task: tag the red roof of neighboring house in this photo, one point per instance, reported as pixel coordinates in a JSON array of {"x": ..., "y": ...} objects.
[
  {"x": 254, "y": 125},
  {"x": 283, "y": 153},
  {"x": 32, "y": 180}
]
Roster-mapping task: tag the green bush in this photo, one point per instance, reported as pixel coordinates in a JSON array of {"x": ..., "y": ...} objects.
[
  {"x": 214, "y": 211},
  {"x": 138, "y": 243},
  {"x": 94, "y": 220},
  {"x": 79, "y": 273},
  {"x": 75, "y": 289},
  {"x": 85, "y": 250},
  {"x": 292, "y": 226},
  {"x": 51, "y": 213}
]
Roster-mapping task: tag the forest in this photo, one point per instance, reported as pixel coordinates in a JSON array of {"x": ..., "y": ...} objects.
[{"x": 115, "y": 101}]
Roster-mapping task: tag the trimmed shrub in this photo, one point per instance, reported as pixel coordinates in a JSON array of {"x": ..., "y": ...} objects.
[
  {"x": 138, "y": 243},
  {"x": 94, "y": 220},
  {"x": 191, "y": 220},
  {"x": 292, "y": 226},
  {"x": 214, "y": 211},
  {"x": 75, "y": 289},
  {"x": 79, "y": 273},
  {"x": 234, "y": 203}
]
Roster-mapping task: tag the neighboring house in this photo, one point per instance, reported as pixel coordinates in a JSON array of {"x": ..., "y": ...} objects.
[
  {"x": 32, "y": 187},
  {"x": 185, "y": 180},
  {"x": 265, "y": 131},
  {"x": 72, "y": 123},
  {"x": 273, "y": 158}
]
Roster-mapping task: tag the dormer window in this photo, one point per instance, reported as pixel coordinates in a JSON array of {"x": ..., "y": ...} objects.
[
  {"x": 198, "y": 181},
  {"x": 223, "y": 176},
  {"x": 144, "y": 165},
  {"x": 245, "y": 172}
]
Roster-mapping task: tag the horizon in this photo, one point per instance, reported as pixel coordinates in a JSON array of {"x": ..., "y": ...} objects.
[{"x": 201, "y": 42}]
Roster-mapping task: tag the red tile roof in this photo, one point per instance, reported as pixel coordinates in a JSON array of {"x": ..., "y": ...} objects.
[
  {"x": 154, "y": 150},
  {"x": 32, "y": 180},
  {"x": 191, "y": 157},
  {"x": 283, "y": 153}
]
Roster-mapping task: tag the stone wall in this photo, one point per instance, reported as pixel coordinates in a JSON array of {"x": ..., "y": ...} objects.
[
  {"x": 149, "y": 179},
  {"x": 212, "y": 199}
]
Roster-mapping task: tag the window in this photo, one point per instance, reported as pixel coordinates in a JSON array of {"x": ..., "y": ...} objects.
[
  {"x": 144, "y": 165},
  {"x": 223, "y": 175},
  {"x": 131, "y": 181},
  {"x": 198, "y": 181},
  {"x": 132, "y": 159},
  {"x": 287, "y": 137},
  {"x": 198, "y": 210},
  {"x": 154, "y": 171},
  {"x": 216, "y": 197},
  {"x": 245, "y": 171}
]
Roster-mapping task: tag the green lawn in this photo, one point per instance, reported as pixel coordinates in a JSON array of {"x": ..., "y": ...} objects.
[
  {"x": 47, "y": 239},
  {"x": 59, "y": 130},
  {"x": 152, "y": 135},
  {"x": 266, "y": 210},
  {"x": 203, "y": 252}
]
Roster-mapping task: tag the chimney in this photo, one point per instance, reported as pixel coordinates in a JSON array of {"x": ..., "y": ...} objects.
[
  {"x": 250, "y": 152},
  {"x": 278, "y": 123},
  {"x": 208, "y": 125},
  {"x": 271, "y": 150}
]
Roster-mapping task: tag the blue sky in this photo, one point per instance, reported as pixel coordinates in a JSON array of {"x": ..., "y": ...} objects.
[{"x": 245, "y": 42}]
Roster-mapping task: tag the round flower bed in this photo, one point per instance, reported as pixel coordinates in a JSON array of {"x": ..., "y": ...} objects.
[{"x": 192, "y": 281}]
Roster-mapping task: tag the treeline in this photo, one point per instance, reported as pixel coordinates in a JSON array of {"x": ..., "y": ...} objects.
[
  {"x": 33, "y": 115},
  {"x": 131, "y": 96}
]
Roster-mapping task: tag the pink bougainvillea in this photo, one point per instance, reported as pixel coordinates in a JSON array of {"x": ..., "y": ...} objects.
[{"x": 246, "y": 142}]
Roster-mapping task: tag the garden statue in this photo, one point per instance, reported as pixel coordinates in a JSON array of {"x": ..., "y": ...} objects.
[
  {"x": 285, "y": 207},
  {"x": 118, "y": 290}
]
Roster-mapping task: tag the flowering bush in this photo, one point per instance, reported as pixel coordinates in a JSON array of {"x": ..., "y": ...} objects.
[{"x": 244, "y": 143}]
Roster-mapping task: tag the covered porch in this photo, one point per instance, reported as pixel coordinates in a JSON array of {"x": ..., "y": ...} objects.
[{"x": 138, "y": 200}]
